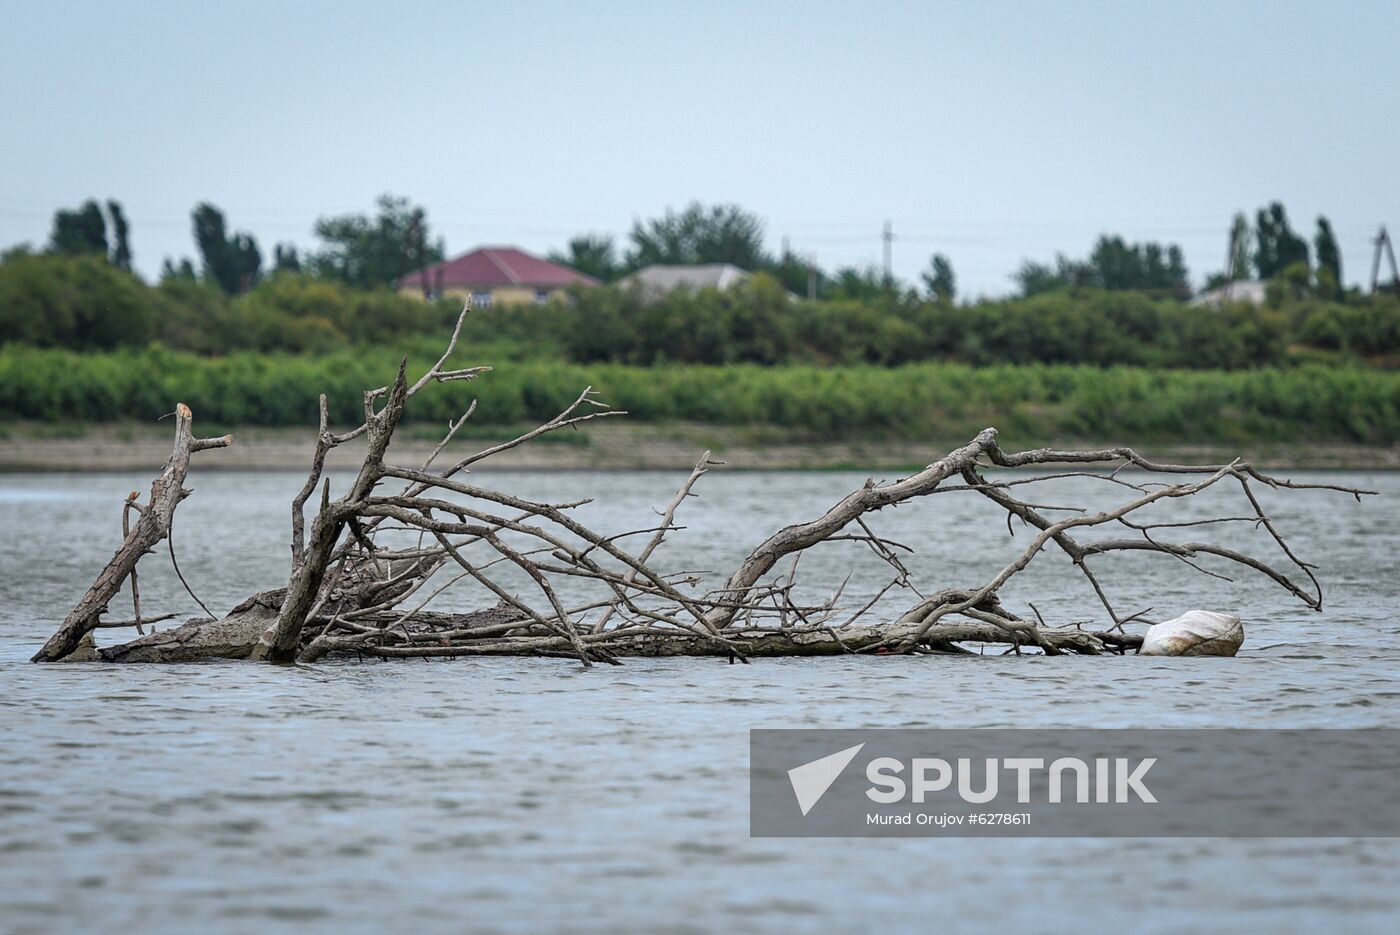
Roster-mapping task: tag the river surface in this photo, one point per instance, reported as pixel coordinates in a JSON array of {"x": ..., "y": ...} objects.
[{"x": 530, "y": 795}]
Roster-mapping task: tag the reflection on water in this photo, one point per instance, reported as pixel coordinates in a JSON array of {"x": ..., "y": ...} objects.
[{"x": 519, "y": 795}]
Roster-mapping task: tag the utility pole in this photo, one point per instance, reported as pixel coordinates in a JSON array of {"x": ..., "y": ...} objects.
[
  {"x": 1382, "y": 242},
  {"x": 1237, "y": 252},
  {"x": 1390, "y": 255},
  {"x": 1230, "y": 263},
  {"x": 889, "y": 243}
]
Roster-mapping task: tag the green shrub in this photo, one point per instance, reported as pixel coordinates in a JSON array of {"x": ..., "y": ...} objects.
[{"x": 77, "y": 302}]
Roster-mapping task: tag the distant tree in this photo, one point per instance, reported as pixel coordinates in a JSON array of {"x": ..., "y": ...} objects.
[
  {"x": 211, "y": 239},
  {"x": 181, "y": 272},
  {"x": 866, "y": 284},
  {"x": 717, "y": 234},
  {"x": 1276, "y": 246},
  {"x": 232, "y": 263},
  {"x": 17, "y": 252},
  {"x": 592, "y": 254},
  {"x": 939, "y": 280},
  {"x": 1114, "y": 264},
  {"x": 1329, "y": 260},
  {"x": 373, "y": 252},
  {"x": 1033, "y": 278},
  {"x": 1144, "y": 267},
  {"x": 799, "y": 275},
  {"x": 79, "y": 232},
  {"x": 1294, "y": 283},
  {"x": 1240, "y": 238},
  {"x": 1174, "y": 274},
  {"x": 245, "y": 260},
  {"x": 285, "y": 259},
  {"x": 121, "y": 246}
]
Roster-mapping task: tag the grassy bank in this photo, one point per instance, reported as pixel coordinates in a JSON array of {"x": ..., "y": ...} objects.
[{"x": 1341, "y": 404}]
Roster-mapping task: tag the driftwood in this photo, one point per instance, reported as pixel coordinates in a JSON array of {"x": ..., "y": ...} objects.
[
  {"x": 154, "y": 525},
  {"x": 400, "y": 537}
]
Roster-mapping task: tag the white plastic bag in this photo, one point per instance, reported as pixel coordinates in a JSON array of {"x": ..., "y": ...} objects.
[{"x": 1195, "y": 633}]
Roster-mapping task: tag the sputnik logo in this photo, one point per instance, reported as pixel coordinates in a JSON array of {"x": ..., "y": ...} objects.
[{"x": 811, "y": 780}]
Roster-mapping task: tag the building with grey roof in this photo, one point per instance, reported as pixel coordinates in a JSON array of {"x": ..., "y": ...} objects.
[
  {"x": 656, "y": 281},
  {"x": 1242, "y": 290}
]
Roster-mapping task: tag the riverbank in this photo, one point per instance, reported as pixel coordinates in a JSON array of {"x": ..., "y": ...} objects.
[{"x": 607, "y": 445}]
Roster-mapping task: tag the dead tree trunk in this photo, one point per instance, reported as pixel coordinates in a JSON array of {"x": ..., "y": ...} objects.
[
  {"x": 279, "y": 643},
  {"x": 154, "y": 525}
]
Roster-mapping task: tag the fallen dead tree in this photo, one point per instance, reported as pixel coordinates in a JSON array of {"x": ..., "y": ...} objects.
[{"x": 363, "y": 577}]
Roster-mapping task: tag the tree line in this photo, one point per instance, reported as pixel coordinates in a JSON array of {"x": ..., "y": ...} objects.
[
  {"x": 1272, "y": 249},
  {"x": 1120, "y": 304},
  {"x": 371, "y": 251},
  {"x": 86, "y": 303},
  {"x": 356, "y": 250}
]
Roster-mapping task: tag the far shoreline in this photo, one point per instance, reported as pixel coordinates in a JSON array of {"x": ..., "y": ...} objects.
[{"x": 612, "y": 446}]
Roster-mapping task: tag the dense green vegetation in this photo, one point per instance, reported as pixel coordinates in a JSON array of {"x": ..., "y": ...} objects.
[
  {"x": 758, "y": 324},
  {"x": 919, "y": 400},
  {"x": 85, "y": 303}
]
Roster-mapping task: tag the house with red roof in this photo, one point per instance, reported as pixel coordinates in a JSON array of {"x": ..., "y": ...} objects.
[{"x": 494, "y": 276}]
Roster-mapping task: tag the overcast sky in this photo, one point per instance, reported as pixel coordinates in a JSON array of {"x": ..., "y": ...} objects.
[{"x": 988, "y": 131}]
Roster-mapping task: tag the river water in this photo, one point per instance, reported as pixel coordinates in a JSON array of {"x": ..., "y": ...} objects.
[{"x": 530, "y": 795}]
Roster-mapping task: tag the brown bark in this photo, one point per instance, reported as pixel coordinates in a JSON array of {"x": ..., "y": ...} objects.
[
  {"x": 154, "y": 525},
  {"x": 279, "y": 643},
  {"x": 755, "y": 643}
]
